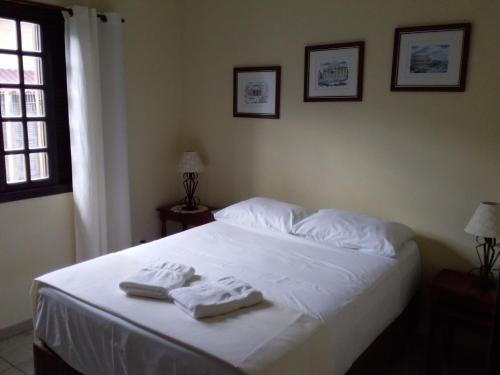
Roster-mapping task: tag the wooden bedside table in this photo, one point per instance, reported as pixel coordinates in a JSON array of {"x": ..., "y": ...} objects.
[
  {"x": 457, "y": 303},
  {"x": 172, "y": 212}
]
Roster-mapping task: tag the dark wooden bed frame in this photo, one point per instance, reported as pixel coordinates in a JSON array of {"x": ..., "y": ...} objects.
[{"x": 380, "y": 355}]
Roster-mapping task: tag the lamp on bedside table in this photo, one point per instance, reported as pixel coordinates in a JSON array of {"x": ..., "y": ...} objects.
[
  {"x": 485, "y": 225},
  {"x": 190, "y": 165}
]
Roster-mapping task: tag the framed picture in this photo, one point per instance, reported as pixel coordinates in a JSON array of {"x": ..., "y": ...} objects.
[
  {"x": 334, "y": 72},
  {"x": 430, "y": 58},
  {"x": 256, "y": 92}
]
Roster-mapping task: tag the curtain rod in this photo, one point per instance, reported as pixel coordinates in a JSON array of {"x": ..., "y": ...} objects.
[{"x": 102, "y": 17}]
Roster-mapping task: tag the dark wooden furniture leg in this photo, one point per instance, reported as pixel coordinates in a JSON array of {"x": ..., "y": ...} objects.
[
  {"x": 163, "y": 228},
  {"x": 494, "y": 355},
  {"x": 436, "y": 347}
]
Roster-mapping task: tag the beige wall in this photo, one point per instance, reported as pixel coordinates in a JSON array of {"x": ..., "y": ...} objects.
[
  {"x": 153, "y": 77},
  {"x": 36, "y": 236},
  {"x": 425, "y": 159}
]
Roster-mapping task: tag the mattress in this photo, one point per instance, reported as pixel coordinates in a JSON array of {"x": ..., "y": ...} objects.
[{"x": 326, "y": 305}]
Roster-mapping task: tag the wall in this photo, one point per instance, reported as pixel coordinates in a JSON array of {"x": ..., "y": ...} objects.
[
  {"x": 153, "y": 80},
  {"x": 36, "y": 237},
  {"x": 424, "y": 159}
]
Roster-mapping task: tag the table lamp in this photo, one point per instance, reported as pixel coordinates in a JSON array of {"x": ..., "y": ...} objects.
[
  {"x": 485, "y": 226},
  {"x": 190, "y": 165}
]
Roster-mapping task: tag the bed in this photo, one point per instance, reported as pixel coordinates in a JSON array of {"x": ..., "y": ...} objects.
[{"x": 323, "y": 307}]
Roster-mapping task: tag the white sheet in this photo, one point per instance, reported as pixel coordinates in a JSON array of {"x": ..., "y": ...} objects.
[{"x": 355, "y": 295}]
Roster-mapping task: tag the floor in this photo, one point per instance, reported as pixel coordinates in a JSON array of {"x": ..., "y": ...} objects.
[
  {"x": 16, "y": 355},
  {"x": 16, "y": 358}
]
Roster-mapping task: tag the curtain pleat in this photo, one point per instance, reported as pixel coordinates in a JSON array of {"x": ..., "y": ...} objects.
[{"x": 98, "y": 135}]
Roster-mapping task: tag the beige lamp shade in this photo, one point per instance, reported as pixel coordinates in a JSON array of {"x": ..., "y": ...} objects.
[
  {"x": 486, "y": 221},
  {"x": 190, "y": 163}
]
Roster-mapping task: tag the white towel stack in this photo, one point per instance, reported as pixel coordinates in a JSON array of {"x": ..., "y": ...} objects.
[
  {"x": 157, "y": 280},
  {"x": 215, "y": 298}
]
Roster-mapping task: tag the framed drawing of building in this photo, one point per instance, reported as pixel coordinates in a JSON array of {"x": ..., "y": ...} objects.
[
  {"x": 334, "y": 72},
  {"x": 256, "y": 92},
  {"x": 430, "y": 58}
]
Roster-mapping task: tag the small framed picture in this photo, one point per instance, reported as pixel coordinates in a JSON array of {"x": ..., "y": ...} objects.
[
  {"x": 334, "y": 72},
  {"x": 430, "y": 58},
  {"x": 256, "y": 92}
]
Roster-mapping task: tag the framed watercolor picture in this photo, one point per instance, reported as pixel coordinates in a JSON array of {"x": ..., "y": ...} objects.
[
  {"x": 334, "y": 72},
  {"x": 256, "y": 92},
  {"x": 430, "y": 58}
]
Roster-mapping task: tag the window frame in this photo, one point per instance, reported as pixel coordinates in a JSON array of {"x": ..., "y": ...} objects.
[{"x": 54, "y": 86}]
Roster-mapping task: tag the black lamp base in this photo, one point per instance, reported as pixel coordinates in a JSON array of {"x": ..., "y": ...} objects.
[
  {"x": 190, "y": 184},
  {"x": 488, "y": 256}
]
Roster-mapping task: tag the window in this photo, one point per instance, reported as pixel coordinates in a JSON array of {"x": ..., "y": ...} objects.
[{"x": 35, "y": 155}]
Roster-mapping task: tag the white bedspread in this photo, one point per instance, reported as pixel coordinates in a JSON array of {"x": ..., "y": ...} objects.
[{"x": 324, "y": 306}]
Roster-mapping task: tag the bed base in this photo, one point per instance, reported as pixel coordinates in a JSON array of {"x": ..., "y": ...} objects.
[
  {"x": 381, "y": 355},
  {"x": 391, "y": 345},
  {"x": 49, "y": 363}
]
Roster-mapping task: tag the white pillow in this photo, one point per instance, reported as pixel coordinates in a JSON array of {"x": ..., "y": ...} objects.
[
  {"x": 263, "y": 213},
  {"x": 356, "y": 231}
]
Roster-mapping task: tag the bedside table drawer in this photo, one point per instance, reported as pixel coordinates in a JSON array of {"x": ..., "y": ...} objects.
[
  {"x": 461, "y": 291},
  {"x": 460, "y": 317},
  {"x": 458, "y": 305},
  {"x": 463, "y": 300}
]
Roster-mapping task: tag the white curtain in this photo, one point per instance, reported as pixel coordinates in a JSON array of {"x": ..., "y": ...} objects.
[{"x": 97, "y": 117}]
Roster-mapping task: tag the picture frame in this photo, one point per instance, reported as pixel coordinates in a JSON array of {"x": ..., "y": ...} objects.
[
  {"x": 256, "y": 92},
  {"x": 334, "y": 72},
  {"x": 430, "y": 58}
]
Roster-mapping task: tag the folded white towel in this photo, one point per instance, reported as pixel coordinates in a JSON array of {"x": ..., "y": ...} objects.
[
  {"x": 215, "y": 298},
  {"x": 156, "y": 280}
]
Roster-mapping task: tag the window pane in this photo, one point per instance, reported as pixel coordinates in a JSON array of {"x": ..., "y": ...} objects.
[
  {"x": 37, "y": 135},
  {"x": 8, "y": 34},
  {"x": 35, "y": 106},
  {"x": 33, "y": 73},
  {"x": 10, "y": 102},
  {"x": 15, "y": 168},
  {"x": 9, "y": 68},
  {"x": 39, "y": 166},
  {"x": 13, "y": 137},
  {"x": 30, "y": 37}
]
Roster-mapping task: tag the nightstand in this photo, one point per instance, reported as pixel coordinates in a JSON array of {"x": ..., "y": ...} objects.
[
  {"x": 174, "y": 212},
  {"x": 457, "y": 303}
]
